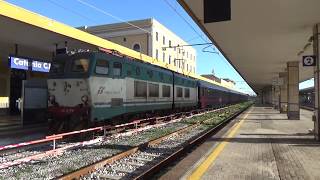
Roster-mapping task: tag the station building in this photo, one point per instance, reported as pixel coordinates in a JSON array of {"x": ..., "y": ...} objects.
[{"x": 152, "y": 39}]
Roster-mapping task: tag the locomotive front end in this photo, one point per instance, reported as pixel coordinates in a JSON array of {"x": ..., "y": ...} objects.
[{"x": 69, "y": 95}]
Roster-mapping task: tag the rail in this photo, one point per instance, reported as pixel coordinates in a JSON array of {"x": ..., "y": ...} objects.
[
  {"x": 147, "y": 173},
  {"x": 135, "y": 124}
]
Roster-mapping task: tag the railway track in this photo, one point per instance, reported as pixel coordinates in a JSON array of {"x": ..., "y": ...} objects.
[
  {"x": 132, "y": 150},
  {"x": 142, "y": 161}
]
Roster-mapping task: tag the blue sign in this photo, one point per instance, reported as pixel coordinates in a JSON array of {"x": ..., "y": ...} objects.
[
  {"x": 19, "y": 63},
  {"x": 40, "y": 66},
  {"x": 23, "y": 63}
]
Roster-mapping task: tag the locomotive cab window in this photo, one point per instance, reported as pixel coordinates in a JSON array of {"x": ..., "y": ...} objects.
[
  {"x": 179, "y": 92},
  {"x": 117, "y": 69},
  {"x": 57, "y": 67},
  {"x": 166, "y": 91},
  {"x": 102, "y": 67},
  {"x": 80, "y": 65},
  {"x": 186, "y": 92}
]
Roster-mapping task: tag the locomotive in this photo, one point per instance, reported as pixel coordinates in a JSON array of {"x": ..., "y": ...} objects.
[{"x": 90, "y": 88}]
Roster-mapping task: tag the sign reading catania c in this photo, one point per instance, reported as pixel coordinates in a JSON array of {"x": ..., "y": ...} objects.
[{"x": 29, "y": 64}]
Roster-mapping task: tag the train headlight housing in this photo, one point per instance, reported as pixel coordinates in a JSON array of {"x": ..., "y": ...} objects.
[
  {"x": 84, "y": 99},
  {"x": 52, "y": 99}
]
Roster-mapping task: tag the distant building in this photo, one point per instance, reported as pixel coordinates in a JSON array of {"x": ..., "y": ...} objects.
[
  {"x": 225, "y": 81},
  {"x": 212, "y": 77},
  {"x": 229, "y": 80},
  {"x": 151, "y": 41}
]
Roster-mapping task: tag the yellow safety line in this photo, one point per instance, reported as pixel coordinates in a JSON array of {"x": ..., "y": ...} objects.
[{"x": 202, "y": 168}]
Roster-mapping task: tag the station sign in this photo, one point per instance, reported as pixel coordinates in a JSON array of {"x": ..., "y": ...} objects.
[
  {"x": 29, "y": 64},
  {"x": 309, "y": 60}
]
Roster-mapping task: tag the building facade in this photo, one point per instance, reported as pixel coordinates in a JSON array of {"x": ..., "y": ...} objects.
[{"x": 150, "y": 37}]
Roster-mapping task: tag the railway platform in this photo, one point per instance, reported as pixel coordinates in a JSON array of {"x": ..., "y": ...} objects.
[{"x": 260, "y": 144}]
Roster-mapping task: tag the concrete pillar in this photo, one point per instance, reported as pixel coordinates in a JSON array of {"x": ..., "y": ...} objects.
[
  {"x": 293, "y": 110},
  {"x": 316, "y": 31},
  {"x": 275, "y": 96},
  {"x": 283, "y": 92}
]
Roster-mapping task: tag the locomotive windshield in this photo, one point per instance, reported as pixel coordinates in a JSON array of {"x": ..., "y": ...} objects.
[
  {"x": 57, "y": 67},
  {"x": 70, "y": 65},
  {"x": 80, "y": 65}
]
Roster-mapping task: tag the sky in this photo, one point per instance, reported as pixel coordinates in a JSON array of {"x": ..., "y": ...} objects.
[{"x": 75, "y": 13}]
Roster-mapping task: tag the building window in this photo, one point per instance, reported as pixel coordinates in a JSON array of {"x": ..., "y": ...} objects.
[
  {"x": 187, "y": 67},
  {"x": 140, "y": 89},
  {"x": 169, "y": 59},
  {"x": 153, "y": 90},
  {"x": 166, "y": 91},
  {"x": 186, "y": 92},
  {"x": 194, "y": 69},
  {"x": 136, "y": 47},
  {"x": 187, "y": 55},
  {"x": 164, "y": 40},
  {"x": 169, "y": 43},
  {"x": 157, "y": 54},
  {"x": 124, "y": 39},
  {"x": 179, "y": 92},
  {"x": 102, "y": 67},
  {"x": 190, "y": 68},
  {"x": 117, "y": 69},
  {"x": 157, "y": 36},
  {"x": 163, "y": 57}
]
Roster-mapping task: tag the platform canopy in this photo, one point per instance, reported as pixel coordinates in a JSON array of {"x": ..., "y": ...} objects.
[{"x": 261, "y": 36}]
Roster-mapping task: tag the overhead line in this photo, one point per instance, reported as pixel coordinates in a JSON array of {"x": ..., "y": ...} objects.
[
  {"x": 109, "y": 14},
  {"x": 70, "y": 10}
]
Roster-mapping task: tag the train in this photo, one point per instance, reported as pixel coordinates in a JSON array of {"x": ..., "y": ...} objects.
[
  {"x": 306, "y": 98},
  {"x": 98, "y": 87}
]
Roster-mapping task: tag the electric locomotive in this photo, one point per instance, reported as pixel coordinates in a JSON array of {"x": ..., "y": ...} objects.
[{"x": 91, "y": 88}]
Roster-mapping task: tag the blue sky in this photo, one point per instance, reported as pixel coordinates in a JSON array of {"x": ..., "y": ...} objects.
[{"x": 73, "y": 13}]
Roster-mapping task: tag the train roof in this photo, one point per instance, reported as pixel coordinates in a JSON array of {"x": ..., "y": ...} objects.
[{"x": 309, "y": 89}]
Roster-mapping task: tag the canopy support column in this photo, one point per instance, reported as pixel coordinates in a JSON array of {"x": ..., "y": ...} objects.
[
  {"x": 283, "y": 92},
  {"x": 316, "y": 82},
  {"x": 293, "y": 111}
]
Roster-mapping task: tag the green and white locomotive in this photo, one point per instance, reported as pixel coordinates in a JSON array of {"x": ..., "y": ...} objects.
[{"x": 88, "y": 88}]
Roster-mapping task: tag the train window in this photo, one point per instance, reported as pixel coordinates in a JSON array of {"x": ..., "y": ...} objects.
[
  {"x": 117, "y": 68},
  {"x": 166, "y": 91},
  {"x": 102, "y": 67},
  {"x": 57, "y": 67},
  {"x": 186, "y": 92},
  {"x": 153, "y": 90},
  {"x": 179, "y": 92},
  {"x": 80, "y": 65},
  {"x": 140, "y": 89}
]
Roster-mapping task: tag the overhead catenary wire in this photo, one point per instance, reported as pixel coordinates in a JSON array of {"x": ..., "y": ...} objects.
[
  {"x": 110, "y": 15},
  {"x": 72, "y": 11},
  {"x": 199, "y": 35}
]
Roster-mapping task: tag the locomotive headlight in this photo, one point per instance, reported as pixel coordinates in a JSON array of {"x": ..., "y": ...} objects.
[
  {"x": 84, "y": 98},
  {"x": 52, "y": 99}
]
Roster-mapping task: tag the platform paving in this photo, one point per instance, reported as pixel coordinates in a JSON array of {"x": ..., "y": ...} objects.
[{"x": 268, "y": 146}]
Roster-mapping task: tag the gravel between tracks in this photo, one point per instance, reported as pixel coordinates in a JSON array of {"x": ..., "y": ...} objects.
[{"x": 72, "y": 159}]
